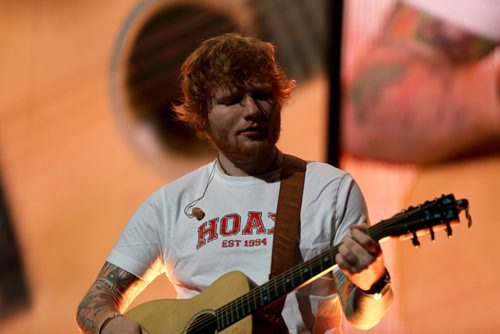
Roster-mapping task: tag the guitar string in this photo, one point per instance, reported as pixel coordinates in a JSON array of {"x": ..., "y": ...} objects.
[{"x": 374, "y": 231}]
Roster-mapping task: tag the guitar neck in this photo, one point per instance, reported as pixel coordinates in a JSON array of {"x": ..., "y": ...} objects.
[{"x": 421, "y": 218}]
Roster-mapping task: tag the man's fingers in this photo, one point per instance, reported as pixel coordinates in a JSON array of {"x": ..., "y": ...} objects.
[
  {"x": 346, "y": 253},
  {"x": 365, "y": 241},
  {"x": 362, "y": 227},
  {"x": 357, "y": 252},
  {"x": 352, "y": 257}
]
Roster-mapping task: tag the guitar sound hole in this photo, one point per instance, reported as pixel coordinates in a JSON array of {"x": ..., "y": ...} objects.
[{"x": 205, "y": 322}]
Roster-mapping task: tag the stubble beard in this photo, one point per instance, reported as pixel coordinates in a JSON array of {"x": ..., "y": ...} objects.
[{"x": 249, "y": 150}]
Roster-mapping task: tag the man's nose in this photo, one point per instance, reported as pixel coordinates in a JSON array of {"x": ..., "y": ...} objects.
[{"x": 251, "y": 108}]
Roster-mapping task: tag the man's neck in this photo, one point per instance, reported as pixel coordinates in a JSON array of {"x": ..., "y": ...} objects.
[{"x": 250, "y": 168}]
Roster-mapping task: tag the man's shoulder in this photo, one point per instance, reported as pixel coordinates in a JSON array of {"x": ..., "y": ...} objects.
[
  {"x": 321, "y": 175},
  {"x": 323, "y": 168}
]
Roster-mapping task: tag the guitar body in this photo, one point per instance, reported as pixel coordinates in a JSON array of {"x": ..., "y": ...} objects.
[{"x": 165, "y": 316}]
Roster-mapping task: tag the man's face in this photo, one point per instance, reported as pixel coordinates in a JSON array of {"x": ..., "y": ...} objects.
[{"x": 245, "y": 126}]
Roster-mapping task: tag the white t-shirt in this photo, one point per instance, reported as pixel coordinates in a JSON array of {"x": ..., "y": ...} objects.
[
  {"x": 237, "y": 232},
  {"x": 481, "y": 17}
]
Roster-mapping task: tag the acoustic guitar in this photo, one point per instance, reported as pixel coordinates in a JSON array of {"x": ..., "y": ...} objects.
[{"x": 227, "y": 304}]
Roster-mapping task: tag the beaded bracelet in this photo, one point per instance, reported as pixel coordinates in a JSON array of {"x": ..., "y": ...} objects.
[{"x": 115, "y": 315}]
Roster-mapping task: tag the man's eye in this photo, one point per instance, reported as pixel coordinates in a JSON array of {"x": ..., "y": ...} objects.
[{"x": 231, "y": 100}]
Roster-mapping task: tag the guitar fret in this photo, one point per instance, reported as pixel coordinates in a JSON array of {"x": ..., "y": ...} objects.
[
  {"x": 231, "y": 315},
  {"x": 265, "y": 297},
  {"x": 227, "y": 315},
  {"x": 225, "y": 323},
  {"x": 237, "y": 311},
  {"x": 220, "y": 319},
  {"x": 243, "y": 306},
  {"x": 284, "y": 285},
  {"x": 255, "y": 302},
  {"x": 275, "y": 289}
]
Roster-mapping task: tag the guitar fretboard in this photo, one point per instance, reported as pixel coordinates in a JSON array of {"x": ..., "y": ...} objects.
[{"x": 423, "y": 217}]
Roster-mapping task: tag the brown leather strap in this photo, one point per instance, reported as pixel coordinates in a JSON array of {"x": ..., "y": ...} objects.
[{"x": 286, "y": 228}]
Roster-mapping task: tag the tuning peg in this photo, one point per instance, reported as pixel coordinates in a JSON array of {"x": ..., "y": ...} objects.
[
  {"x": 449, "y": 231},
  {"x": 469, "y": 218},
  {"x": 415, "y": 241},
  {"x": 431, "y": 231},
  {"x": 463, "y": 204}
]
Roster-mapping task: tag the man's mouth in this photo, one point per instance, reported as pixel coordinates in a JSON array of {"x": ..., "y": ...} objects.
[{"x": 254, "y": 132}]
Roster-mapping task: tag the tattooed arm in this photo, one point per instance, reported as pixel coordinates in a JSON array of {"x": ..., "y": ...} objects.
[
  {"x": 421, "y": 96},
  {"x": 362, "y": 281},
  {"x": 112, "y": 292}
]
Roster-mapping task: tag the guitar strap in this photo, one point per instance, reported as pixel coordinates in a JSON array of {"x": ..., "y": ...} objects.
[{"x": 286, "y": 228}]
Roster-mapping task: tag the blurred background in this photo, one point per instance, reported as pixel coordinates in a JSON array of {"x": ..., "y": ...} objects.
[{"x": 86, "y": 133}]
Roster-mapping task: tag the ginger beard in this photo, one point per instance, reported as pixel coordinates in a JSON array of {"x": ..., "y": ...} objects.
[{"x": 244, "y": 136}]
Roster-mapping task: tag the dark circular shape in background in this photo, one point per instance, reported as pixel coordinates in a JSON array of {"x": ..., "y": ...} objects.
[{"x": 152, "y": 44}]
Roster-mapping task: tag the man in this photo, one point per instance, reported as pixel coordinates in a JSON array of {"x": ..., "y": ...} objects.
[
  {"x": 423, "y": 84},
  {"x": 220, "y": 218}
]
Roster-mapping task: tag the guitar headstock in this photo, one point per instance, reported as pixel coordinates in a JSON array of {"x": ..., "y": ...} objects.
[{"x": 426, "y": 218}]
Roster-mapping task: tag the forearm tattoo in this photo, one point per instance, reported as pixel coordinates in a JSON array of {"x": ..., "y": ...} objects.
[
  {"x": 414, "y": 49},
  {"x": 455, "y": 43},
  {"x": 345, "y": 291},
  {"x": 120, "y": 283},
  {"x": 359, "y": 308},
  {"x": 113, "y": 289},
  {"x": 371, "y": 84}
]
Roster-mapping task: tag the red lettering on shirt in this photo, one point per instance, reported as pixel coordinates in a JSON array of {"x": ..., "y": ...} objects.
[
  {"x": 204, "y": 231},
  {"x": 254, "y": 223},
  {"x": 273, "y": 218},
  {"x": 230, "y": 225}
]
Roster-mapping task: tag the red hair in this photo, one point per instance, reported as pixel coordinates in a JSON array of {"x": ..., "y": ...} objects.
[{"x": 230, "y": 61}]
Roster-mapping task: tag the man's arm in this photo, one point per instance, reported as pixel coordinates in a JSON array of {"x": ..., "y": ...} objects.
[
  {"x": 416, "y": 96},
  {"x": 111, "y": 293},
  {"x": 362, "y": 282}
]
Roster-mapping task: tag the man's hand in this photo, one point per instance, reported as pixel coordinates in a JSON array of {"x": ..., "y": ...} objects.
[
  {"x": 360, "y": 258},
  {"x": 122, "y": 325}
]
